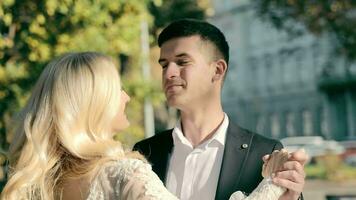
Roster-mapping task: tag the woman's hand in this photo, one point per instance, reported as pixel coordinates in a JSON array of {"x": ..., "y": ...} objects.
[{"x": 291, "y": 175}]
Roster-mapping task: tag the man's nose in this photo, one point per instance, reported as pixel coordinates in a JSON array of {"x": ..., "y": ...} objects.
[{"x": 171, "y": 71}]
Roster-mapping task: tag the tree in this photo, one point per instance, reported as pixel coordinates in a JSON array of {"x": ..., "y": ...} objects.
[
  {"x": 165, "y": 12},
  {"x": 34, "y": 32},
  {"x": 335, "y": 17}
]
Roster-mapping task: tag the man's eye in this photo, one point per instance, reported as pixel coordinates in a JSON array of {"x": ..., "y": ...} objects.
[
  {"x": 182, "y": 63},
  {"x": 164, "y": 65}
]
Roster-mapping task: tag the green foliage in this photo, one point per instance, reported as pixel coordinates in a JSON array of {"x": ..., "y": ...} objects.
[
  {"x": 34, "y": 32},
  {"x": 315, "y": 172},
  {"x": 165, "y": 12},
  {"x": 335, "y": 17},
  {"x": 330, "y": 167}
]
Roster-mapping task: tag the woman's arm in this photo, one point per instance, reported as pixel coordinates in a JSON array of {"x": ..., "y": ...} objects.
[{"x": 266, "y": 190}]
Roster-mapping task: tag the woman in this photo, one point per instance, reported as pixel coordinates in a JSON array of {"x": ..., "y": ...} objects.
[
  {"x": 67, "y": 128},
  {"x": 64, "y": 147}
]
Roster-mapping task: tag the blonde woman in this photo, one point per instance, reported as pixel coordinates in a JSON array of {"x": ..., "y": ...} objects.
[
  {"x": 64, "y": 147},
  {"x": 64, "y": 143}
]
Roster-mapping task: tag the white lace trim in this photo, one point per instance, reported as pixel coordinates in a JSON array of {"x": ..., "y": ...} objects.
[
  {"x": 266, "y": 190},
  {"x": 114, "y": 175}
]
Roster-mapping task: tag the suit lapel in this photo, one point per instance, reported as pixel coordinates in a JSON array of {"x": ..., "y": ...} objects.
[{"x": 235, "y": 154}]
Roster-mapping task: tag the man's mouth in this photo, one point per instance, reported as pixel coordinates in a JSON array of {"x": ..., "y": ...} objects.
[{"x": 172, "y": 87}]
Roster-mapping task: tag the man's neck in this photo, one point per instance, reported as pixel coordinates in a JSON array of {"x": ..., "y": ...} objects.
[{"x": 199, "y": 126}]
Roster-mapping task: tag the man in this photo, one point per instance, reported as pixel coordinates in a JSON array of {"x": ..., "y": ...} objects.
[{"x": 206, "y": 156}]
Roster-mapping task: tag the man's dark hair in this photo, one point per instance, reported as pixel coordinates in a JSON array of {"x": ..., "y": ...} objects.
[{"x": 191, "y": 27}]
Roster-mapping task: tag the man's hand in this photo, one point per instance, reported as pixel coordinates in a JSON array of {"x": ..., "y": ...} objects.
[{"x": 291, "y": 175}]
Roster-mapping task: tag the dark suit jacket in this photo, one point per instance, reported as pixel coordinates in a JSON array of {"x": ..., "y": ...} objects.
[{"x": 241, "y": 164}]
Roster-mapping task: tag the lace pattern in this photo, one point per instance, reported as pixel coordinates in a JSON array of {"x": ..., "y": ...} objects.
[
  {"x": 266, "y": 190},
  {"x": 128, "y": 179}
]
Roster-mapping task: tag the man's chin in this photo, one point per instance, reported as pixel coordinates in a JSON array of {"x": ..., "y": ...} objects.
[{"x": 173, "y": 102}]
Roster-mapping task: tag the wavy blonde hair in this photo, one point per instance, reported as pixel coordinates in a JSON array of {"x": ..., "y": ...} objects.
[{"x": 65, "y": 128}]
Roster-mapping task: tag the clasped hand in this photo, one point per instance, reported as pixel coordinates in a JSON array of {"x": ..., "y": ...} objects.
[{"x": 291, "y": 175}]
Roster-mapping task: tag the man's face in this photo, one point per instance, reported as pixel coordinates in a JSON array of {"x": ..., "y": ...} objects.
[{"x": 187, "y": 71}]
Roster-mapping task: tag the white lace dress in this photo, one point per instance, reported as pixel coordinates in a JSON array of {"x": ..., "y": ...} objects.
[
  {"x": 133, "y": 179},
  {"x": 128, "y": 179}
]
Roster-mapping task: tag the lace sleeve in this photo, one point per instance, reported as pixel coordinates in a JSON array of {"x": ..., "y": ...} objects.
[
  {"x": 138, "y": 181},
  {"x": 266, "y": 190},
  {"x": 128, "y": 179}
]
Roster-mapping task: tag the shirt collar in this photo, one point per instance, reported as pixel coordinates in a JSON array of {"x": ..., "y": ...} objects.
[{"x": 219, "y": 135}]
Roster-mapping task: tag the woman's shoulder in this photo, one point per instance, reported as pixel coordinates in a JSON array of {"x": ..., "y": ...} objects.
[
  {"x": 124, "y": 167},
  {"x": 112, "y": 174}
]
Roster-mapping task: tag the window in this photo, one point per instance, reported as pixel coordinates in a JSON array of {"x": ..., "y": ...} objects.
[
  {"x": 270, "y": 74},
  {"x": 275, "y": 126},
  {"x": 286, "y": 66},
  {"x": 290, "y": 121},
  {"x": 324, "y": 123},
  {"x": 260, "y": 125},
  {"x": 253, "y": 73},
  {"x": 307, "y": 122}
]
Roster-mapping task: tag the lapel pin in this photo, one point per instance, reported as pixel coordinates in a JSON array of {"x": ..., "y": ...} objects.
[{"x": 244, "y": 146}]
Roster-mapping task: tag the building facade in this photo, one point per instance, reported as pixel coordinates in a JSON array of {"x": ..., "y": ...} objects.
[{"x": 280, "y": 86}]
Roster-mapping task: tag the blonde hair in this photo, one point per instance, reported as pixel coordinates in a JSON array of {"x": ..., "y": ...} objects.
[{"x": 65, "y": 128}]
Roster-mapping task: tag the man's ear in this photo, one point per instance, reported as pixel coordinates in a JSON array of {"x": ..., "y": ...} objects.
[{"x": 220, "y": 69}]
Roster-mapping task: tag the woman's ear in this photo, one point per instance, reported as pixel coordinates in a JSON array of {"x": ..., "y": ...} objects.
[{"x": 220, "y": 70}]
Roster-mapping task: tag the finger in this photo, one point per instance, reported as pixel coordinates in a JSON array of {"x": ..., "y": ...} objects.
[
  {"x": 266, "y": 157},
  {"x": 290, "y": 185},
  {"x": 300, "y": 155},
  {"x": 293, "y": 166},
  {"x": 290, "y": 175}
]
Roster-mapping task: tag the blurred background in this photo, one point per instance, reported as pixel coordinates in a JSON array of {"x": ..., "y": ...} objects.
[{"x": 292, "y": 73}]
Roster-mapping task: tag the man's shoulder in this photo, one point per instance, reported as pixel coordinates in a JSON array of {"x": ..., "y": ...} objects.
[
  {"x": 256, "y": 137},
  {"x": 261, "y": 138}
]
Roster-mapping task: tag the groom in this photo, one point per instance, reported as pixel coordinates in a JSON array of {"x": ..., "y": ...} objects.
[{"x": 206, "y": 156}]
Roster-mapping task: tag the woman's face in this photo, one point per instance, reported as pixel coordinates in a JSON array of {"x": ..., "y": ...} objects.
[{"x": 120, "y": 121}]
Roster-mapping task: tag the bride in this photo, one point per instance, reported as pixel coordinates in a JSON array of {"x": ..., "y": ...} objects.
[{"x": 64, "y": 149}]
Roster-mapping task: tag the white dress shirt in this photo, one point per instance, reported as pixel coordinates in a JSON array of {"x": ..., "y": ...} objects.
[{"x": 193, "y": 173}]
